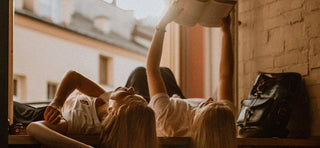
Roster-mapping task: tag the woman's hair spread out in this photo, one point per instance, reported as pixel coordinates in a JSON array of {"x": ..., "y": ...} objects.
[
  {"x": 132, "y": 124},
  {"x": 214, "y": 127}
]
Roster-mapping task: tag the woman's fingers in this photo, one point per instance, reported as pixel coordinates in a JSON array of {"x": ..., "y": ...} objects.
[
  {"x": 54, "y": 115},
  {"x": 51, "y": 113},
  {"x": 171, "y": 14},
  {"x": 47, "y": 112},
  {"x": 56, "y": 120}
]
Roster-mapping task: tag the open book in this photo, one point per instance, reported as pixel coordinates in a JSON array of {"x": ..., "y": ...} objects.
[{"x": 207, "y": 13}]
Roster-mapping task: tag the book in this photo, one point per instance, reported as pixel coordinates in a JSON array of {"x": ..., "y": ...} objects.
[{"x": 207, "y": 13}]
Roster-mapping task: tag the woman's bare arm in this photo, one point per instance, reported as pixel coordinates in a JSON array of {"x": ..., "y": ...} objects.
[
  {"x": 52, "y": 135},
  {"x": 71, "y": 81},
  {"x": 155, "y": 81},
  {"x": 226, "y": 63}
]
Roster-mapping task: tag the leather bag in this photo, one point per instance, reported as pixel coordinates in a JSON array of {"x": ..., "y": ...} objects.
[{"x": 266, "y": 111}]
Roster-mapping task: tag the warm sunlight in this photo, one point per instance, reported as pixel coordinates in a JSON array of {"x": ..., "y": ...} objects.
[{"x": 143, "y": 8}]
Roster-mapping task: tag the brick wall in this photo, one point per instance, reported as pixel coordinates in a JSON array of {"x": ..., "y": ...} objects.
[{"x": 281, "y": 36}]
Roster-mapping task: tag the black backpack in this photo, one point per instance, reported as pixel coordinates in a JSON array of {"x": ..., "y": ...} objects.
[{"x": 266, "y": 111}]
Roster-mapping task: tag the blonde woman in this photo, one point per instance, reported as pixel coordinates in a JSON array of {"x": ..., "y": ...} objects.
[
  {"x": 88, "y": 111},
  {"x": 210, "y": 123}
]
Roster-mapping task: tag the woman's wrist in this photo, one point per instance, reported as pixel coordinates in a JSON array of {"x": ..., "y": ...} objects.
[
  {"x": 54, "y": 104},
  {"x": 162, "y": 26},
  {"x": 161, "y": 29}
]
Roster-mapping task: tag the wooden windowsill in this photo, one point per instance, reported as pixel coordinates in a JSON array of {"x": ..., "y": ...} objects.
[{"x": 92, "y": 140}]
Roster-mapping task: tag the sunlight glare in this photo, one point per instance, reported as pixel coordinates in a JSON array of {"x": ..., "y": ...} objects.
[
  {"x": 108, "y": 1},
  {"x": 143, "y": 8}
]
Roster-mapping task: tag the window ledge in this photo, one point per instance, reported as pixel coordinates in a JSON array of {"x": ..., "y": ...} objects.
[{"x": 92, "y": 140}]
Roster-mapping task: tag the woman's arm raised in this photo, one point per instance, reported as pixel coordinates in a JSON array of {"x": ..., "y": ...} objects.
[
  {"x": 155, "y": 81},
  {"x": 71, "y": 81},
  {"x": 226, "y": 63}
]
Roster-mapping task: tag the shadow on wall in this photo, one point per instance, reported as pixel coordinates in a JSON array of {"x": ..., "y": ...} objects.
[{"x": 301, "y": 118}]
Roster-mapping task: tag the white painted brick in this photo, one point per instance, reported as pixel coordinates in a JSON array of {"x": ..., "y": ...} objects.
[
  {"x": 241, "y": 68},
  {"x": 314, "y": 91},
  {"x": 246, "y": 50},
  {"x": 274, "y": 22},
  {"x": 314, "y": 77},
  {"x": 287, "y": 5},
  {"x": 312, "y": 5},
  {"x": 275, "y": 70},
  {"x": 262, "y": 63},
  {"x": 281, "y": 36},
  {"x": 249, "y": 67},
  {"x": 312, "y": 24},
  {"x": 275, "y": 42},
  {"x": 286, "y": 18},
  {"x": 249, "y": 5},
  {"x": 315, "y": 46},
  {"x": 291, "y": 58},
  {"x": 294, "y": 16},
  {"x": 294, "y": 36},
  {"x": 299, "y": 68},
  {"x": 314, "y": 61},
  {"x": 245, "y": 5},
  {"x": 315, "y": 107}
]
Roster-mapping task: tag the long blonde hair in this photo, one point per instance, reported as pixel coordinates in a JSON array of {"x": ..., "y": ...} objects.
[
  {"x": 130, "y": 125},
  {"x": 214, "y": 127}
]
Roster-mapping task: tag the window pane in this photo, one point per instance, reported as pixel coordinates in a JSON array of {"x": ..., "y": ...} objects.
[
  {"x": 52, "y": 88},
  {"x": 45, "y": 8},
  {"x": 108, "y": 1},
  {"x": 15, "y": 89},
  {"x": 106, "y": 70}
]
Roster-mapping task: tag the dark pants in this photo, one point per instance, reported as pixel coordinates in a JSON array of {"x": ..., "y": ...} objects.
[
  {"x": 25, "y": 114},
  {"x": 138, "y": 80}
]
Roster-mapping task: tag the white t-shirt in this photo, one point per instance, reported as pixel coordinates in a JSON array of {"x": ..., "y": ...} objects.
[
  {"x": 174, "y": 116},
  {"x": 81, "y": 115}
]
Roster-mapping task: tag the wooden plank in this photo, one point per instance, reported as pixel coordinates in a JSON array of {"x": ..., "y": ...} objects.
[
  {"x": 277, "y": 142},
  {"x": 94, "y": 139},
  {"x": 174, "y": 140},
  {"x": 21, "y": 139}
]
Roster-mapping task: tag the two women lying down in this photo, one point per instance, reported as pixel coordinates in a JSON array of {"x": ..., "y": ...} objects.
[{"x": 150, "y": 105}]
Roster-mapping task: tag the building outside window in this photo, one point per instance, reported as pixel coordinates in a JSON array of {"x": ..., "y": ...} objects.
[
  {"x": 50, "y": 9},
  {"x": 51, "y": 90},
  {"x": 106, "y": 70},
  {"x": 19, "y": 87}
]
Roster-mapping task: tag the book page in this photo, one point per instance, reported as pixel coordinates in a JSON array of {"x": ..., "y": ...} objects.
[
  {"x": 192, "y": 10},
  {"x": 214, "y": 12}
]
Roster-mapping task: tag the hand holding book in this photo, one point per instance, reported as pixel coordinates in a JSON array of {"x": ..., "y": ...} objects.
[
  {"x": 207, "y": 13},
  {"x": 170, "y": 15}
]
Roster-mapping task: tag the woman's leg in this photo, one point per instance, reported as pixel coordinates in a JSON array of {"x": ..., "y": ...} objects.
[
  {"x": 138, "y": 80},
  {"x": 170, "y": 82}
]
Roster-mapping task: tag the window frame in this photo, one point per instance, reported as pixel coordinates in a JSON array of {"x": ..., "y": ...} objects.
[
  {"x": 6, "y": 17},
  {"x": 51, "y": 86},
  {"x": 108, "y": 69}
]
